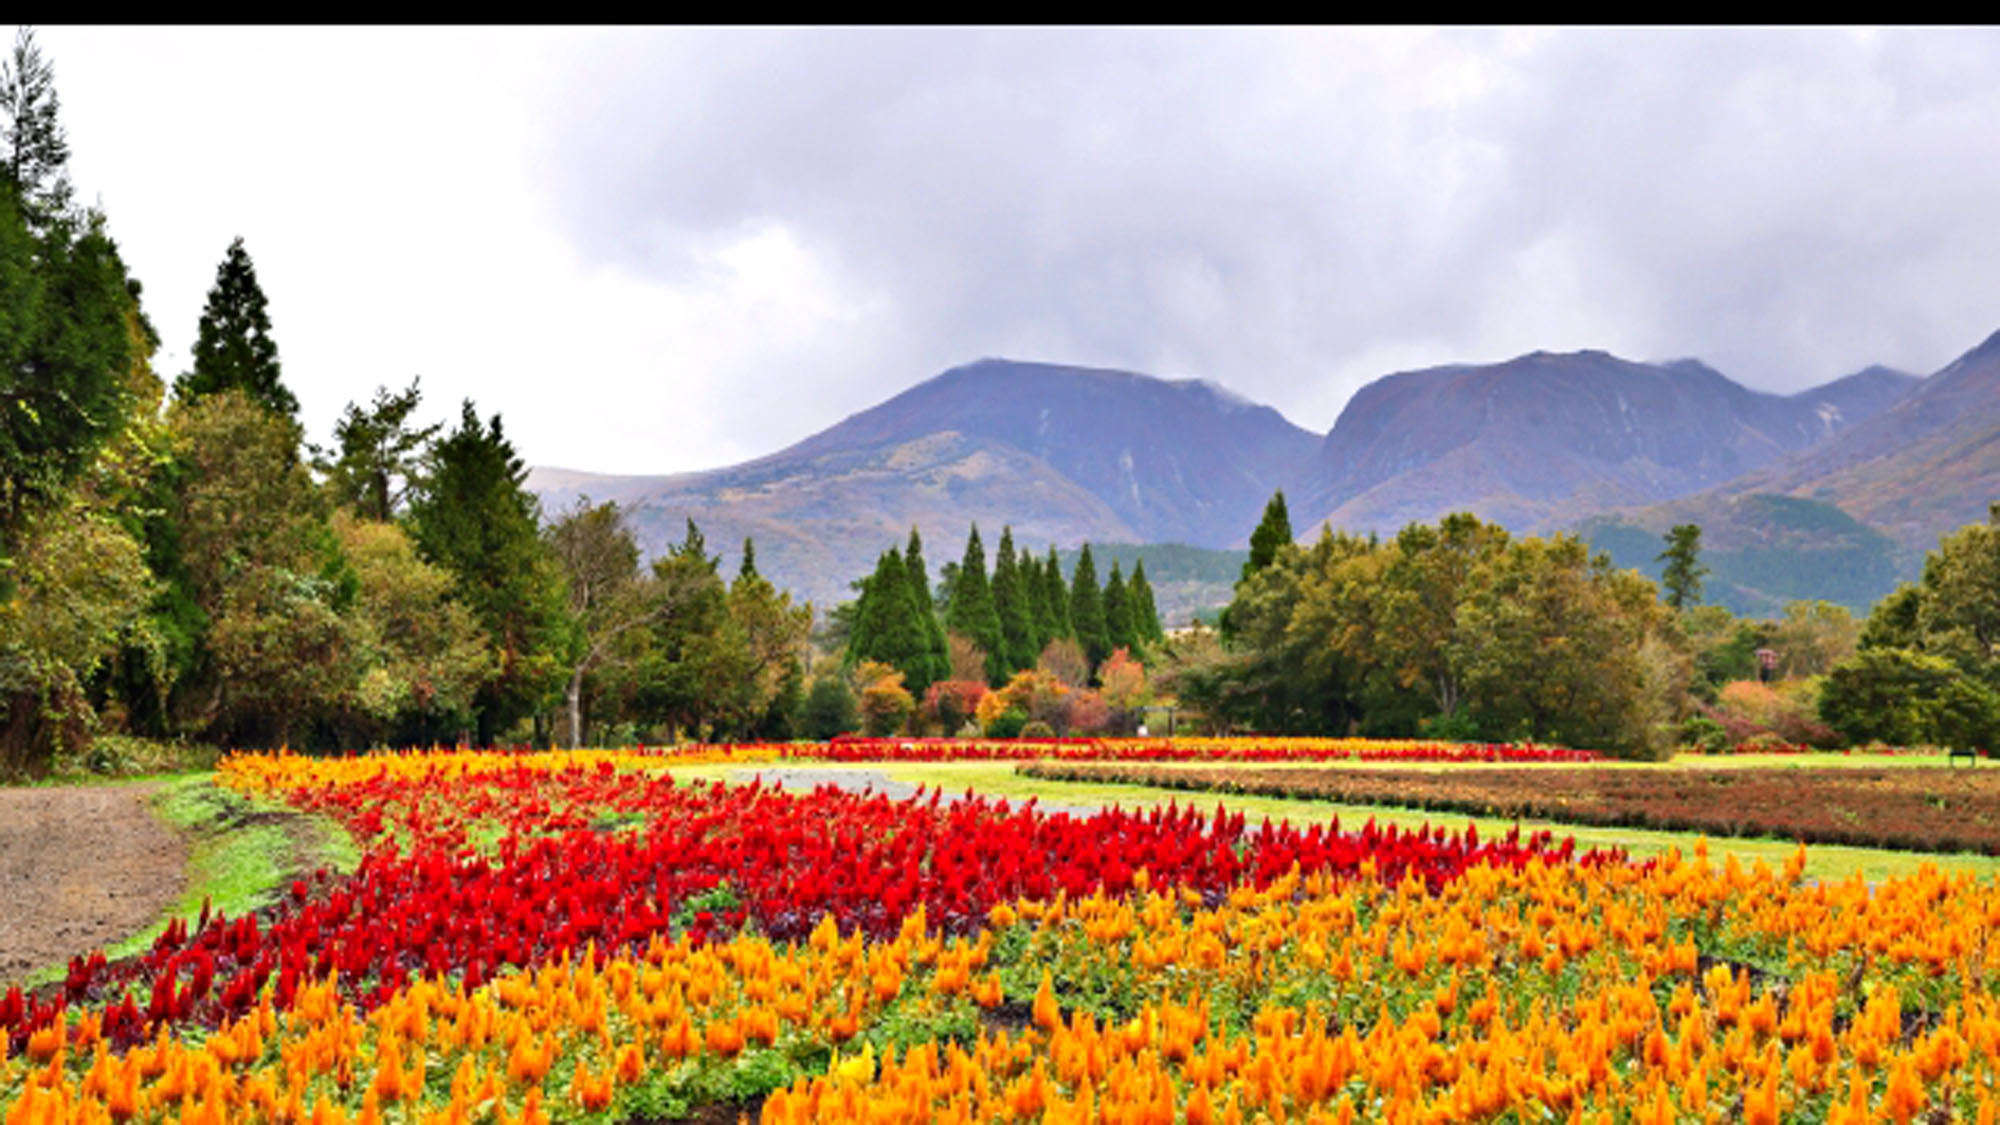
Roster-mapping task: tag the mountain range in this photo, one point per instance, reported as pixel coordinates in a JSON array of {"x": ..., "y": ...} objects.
[{"x": 1832, "y": 492}]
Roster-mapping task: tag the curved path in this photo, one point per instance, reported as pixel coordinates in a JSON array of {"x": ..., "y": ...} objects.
[
  {"x": 864, "y": 781},
  {"x": 81, "y": 868}
]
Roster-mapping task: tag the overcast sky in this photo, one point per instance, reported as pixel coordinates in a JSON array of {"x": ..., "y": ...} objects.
[{"x": 656, "y": 250}]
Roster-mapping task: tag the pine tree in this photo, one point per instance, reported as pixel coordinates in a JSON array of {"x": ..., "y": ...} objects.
[
  {"x": 1119, "y": 630},
  {"x": 234, "y": 348},
  {"x": 749, "y": 568},
  {"x": 1086, "y": 609},
  {"x": 1055, "y": 597},
  {"x": 973, "y": 613},
  {"x": 1273, "y": 532},
  {"x": 1011, "y": 602},
  {"x": 1145, "y": 613},
  {"x": 938, "y": 663},
  {"x": 35, "y": 150}
]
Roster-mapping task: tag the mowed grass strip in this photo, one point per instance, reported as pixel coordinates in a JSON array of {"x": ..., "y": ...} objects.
[{"x": 1913, "y": 809}]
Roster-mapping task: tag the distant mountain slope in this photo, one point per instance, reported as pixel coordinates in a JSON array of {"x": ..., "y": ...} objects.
[
  {"x": 1544, "y": 439},
  {"x": 1927, "y": 465},
  {"x": 1762, "y": 550},
  {"x": 1063, "y": 454},
  {"x": 1179, "y": 461}
]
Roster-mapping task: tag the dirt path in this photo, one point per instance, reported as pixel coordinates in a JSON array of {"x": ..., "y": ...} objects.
[{"x": 80, "y": 869}]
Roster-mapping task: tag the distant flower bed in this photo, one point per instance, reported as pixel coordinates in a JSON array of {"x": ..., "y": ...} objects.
[{"x": 1254, "y": 749}]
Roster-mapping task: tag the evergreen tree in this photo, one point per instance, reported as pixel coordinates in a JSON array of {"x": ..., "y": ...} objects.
[
  {"x": 71, "y": 333},
  {"x": 1086, "y": 609},
  {"x": 1145, "y": 614},
  {"x": 35, "y": 150},
  {"x": 234, "y": 348},
  {"x": 1119, "y": 629},
  {"x": 1683, "y": 573},
  {"x": 378, "y": 453},
  {"x": 973, "y": 613},
  {"x": 67, "y": 346},
  {"x": 472, "y": 516},
  {"x": 938, "y": 666},
  {"x": 749, "y": 568},
  {"x": 1011, "y": 600},
  {"x": 888, "y": 624},
  {"x": 1273, "y": 532},
  {"x": 1055, "y": 597},
  {"x": 696, "y": 661}
]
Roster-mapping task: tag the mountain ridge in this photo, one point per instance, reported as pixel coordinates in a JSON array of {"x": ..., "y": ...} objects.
[{"x": 1069, "y": 454}]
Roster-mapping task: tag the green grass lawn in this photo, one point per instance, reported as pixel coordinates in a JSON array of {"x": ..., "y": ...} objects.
[{"x": 998, "y": 779}]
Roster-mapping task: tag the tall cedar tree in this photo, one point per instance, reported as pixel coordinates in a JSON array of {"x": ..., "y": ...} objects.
[
  {"x": 1145, "y": 613},
  {"x": 472, "y": 516},
  {"x": 1011, "y": 601},
  {"x": 234, "y": 348},
  {"x": 939, "y": 665},
  {"x": 973, "y": 613},
  {"x": 1086, "y": 609},
  {"x": 1055, "y": 597},
  {"x": 377, "y": 453},
  {"x": 888, "y": 624},
  {"x": 35, "y": 150},
  {"x": 1119, "y": 630},
  {"x": 1273, "y": 532},
  {"x": 67, "y": 310},
  {"x": 1683, "y": 573}
]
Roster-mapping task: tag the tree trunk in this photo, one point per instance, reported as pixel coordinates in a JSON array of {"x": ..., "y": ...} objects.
[{"x": 576, "y": 708}]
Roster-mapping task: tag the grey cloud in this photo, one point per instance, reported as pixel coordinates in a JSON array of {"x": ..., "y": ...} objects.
[{"x": 1269, "y": 209}]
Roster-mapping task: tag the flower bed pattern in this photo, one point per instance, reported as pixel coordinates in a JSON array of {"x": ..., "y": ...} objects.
[{"x": 1174, "y": 968}]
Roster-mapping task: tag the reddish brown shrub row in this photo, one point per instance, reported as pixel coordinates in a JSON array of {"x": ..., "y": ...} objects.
[{"x": 1914, "y": 809}]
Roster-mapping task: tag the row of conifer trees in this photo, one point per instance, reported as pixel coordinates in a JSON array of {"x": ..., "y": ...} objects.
[{"x": 1011, "y": 615}]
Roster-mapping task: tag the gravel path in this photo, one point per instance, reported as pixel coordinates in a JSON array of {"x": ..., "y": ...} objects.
[
  {"x": 80, "y": 868},
  {"x": 865, "y": 781}
]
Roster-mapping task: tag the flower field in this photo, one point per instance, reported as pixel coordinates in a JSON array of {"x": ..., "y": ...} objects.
[{"x": 576, "y": 937}]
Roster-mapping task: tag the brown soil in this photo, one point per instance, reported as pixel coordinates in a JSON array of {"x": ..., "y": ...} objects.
[{"x": 80, "y": 868}]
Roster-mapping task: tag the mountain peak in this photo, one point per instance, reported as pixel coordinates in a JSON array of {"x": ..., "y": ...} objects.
[{"x": 1547, "y": 436}]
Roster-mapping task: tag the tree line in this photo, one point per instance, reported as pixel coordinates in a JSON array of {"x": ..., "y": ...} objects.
[{"x": 179, "y": 564}]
